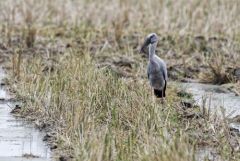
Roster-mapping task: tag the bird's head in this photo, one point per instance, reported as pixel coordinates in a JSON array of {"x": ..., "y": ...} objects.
[{"x": 150, "y": 39}]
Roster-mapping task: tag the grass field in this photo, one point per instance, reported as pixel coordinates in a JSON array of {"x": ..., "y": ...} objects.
[{"x": 76, "y": 66}]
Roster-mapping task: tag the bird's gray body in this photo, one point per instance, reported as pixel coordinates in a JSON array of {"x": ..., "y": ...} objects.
[
  {"x": 157, "y": 69},
  {"x": 157, "y": 73}
]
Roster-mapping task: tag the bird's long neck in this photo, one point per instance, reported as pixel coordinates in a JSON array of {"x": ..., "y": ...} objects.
[{"x": 152, "y": 49}]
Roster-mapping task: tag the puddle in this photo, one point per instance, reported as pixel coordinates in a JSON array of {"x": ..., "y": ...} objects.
[
  {"x": 219, "y": 97},
  {"x": 17, "y": 138}
]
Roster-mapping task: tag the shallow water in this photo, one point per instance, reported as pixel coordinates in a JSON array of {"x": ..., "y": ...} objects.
[
  {"x": 216, "y": 97},
  {"x": 18, "y": 138}
]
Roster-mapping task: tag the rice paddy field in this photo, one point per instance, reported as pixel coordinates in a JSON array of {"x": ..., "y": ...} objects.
[{"x": 75, "y": 66}]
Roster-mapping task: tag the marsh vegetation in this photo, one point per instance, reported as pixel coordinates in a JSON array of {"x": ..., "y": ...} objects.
[{"x": 75, "y": 66}]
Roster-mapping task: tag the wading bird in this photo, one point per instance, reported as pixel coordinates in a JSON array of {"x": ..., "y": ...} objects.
[{"x": 156, "y": 70}]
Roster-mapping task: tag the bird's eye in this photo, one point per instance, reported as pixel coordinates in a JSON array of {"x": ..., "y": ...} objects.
[
  {"x": 152, "y": 39},
  {"x": 151, "y": 36}
]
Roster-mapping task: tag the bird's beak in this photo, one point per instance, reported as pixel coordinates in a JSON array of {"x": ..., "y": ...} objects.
[
  {"x": 142, "y": 49},
  {"x": 144, "y": 45}
]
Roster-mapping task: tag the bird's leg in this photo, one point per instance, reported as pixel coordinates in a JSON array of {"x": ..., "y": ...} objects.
[
  {"x": 163, "y": 101},
  {"x": 159, "y": 100},
  {"x": 153, "y": 95}
]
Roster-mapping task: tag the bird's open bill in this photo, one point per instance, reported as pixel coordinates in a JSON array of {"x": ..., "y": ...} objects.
[{"x": 144, "y": 45}]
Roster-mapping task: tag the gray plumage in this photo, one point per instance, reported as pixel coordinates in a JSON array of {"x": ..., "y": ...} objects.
[{"x": 157, "y": 69}]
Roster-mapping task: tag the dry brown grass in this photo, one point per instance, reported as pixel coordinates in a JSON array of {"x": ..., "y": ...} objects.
[
  {"x": 181, "y": 17},
  {"x": 99, "y": 115},
  {"x": 95, "y": 115}
]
